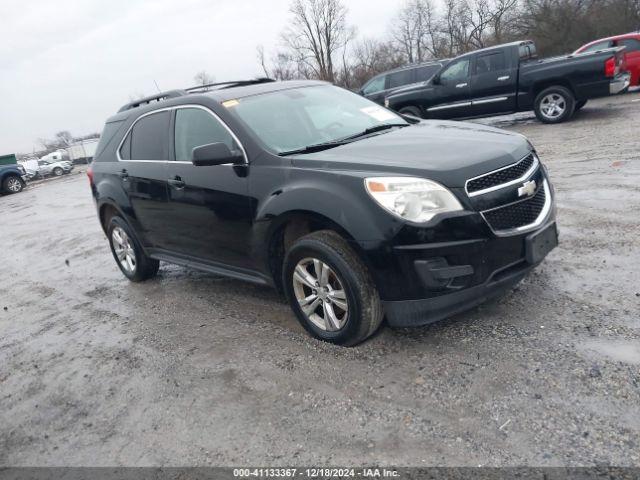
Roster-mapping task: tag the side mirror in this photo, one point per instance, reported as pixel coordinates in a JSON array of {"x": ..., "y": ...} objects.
[
  {"x": 214, "y": 154},
  {"x": 436, "y": 80}
]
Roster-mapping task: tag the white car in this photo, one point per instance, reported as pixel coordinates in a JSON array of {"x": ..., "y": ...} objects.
[{"x": 56, "y": 168}]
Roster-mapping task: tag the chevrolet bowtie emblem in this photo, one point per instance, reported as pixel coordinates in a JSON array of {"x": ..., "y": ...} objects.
[{"x": 527, "y": 189}]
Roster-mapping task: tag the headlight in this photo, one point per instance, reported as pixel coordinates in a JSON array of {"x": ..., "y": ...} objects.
[{"x": 411, "y": 198}]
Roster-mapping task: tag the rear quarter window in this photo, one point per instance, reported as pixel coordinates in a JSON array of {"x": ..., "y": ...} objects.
[{"x": 108, "y": 132}]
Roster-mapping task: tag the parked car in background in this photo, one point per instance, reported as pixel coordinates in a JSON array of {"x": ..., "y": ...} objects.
[
  {"x": 384, "y": 84},
  {"x": 12, "y": 176},
  {"x": 631, "y": 42},
  {"x": 510, "y": 78},
  {"x": 54, "y": 167},
  {"x": 351, "y": 210}
]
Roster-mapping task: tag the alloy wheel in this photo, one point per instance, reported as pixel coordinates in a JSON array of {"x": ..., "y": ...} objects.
[
  {"x": 124, "y": 251},
  {"x": 320, "y": 294},
  {"x": 14, "y": 185},
  {"x": 553, "y": 106}
]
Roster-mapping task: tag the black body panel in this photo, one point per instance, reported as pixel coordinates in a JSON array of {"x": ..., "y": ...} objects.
[{"x": 224, "y": 218}]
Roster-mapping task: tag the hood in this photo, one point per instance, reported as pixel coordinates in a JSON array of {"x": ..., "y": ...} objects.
[{"x": 447, "y": 152}]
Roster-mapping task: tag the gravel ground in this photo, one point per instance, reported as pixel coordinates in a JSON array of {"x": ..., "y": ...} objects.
[{"x": 192, "y": 369}]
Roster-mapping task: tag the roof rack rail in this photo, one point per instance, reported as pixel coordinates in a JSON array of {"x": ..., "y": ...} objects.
[
  {"x": 231, "y": 84},
  {"x": 200, "y": 88},
  {"x": 153, "y": 98}
]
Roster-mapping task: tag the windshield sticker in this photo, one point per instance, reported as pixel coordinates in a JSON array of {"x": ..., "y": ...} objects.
[
  {"x": 230, "y": 103},
  {"x": 378, "y": 113}
]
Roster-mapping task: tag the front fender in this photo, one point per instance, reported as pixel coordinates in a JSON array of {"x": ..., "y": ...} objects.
[
  {"x": 411, "y": 98},
  {"x": 344, "y": 203}
]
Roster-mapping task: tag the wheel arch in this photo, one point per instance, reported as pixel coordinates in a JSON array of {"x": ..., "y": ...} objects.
[
  {"x": 289, "y": 226},
  {"x": 106, "y": 210},
  {"x": 538, "y": 87}
]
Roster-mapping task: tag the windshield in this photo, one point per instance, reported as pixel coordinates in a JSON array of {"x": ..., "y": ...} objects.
[{"x": 289, "y": 120}]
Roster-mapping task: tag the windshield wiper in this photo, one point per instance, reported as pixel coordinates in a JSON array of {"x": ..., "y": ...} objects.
[
  {"x": 318, "y": 147},
  {"x": 377, "y": 128}
]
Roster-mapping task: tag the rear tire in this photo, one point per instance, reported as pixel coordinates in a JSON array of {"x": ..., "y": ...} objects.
[
  {"x": 554, "y": 105},
  {"x": 413, "y": 111},
  {"x": 341, "y": 301},
  {"x": 58, "y": 172},
  {"x": 128, "y": 253},
  {"x": 12, "y": 184}
]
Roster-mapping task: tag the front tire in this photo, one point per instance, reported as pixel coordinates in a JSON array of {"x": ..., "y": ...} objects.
[
  {"x": 128, "y": 253},
  {"x": 330, "y": 289},
  {"x": 554, "y": 105},
  {"x": 412, "y": 111},
  {"x": 12, "y": 184}
]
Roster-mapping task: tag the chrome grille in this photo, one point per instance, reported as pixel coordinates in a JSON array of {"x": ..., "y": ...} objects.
[{"x": 502, "y": 177}]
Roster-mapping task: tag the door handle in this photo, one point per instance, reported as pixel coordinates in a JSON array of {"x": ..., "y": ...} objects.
[
  {"x": 176, "y": 183},
  {"x": 503, "y": 79},
  {"x": 461, "y": 85},
  {"x": 124, "y": 175}
]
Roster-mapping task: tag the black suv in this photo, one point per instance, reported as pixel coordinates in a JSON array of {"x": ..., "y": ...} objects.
[
  {"x": 386, "y": 83},
  {"x": 353, "y": 211}
]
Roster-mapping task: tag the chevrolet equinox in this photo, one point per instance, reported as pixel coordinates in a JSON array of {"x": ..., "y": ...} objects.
[{"x": 352, "y": 211}]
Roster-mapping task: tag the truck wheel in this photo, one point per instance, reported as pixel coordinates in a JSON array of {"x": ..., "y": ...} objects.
[
  {"x": 128, "y": 253},
  {"x": 12, "y": 184},
  {"x": 413, "y": 111},
  {"x": 58, "y": 171},
  {"x": 580, "y": 104},
  {"x": 554, "y": 105},
  {"x": 330, "y": 289}
]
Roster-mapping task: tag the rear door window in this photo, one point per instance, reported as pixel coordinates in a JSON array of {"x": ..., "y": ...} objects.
[
  {"x": 150, "y": 137},
  {"x": 490, "y": 62},
  {"x": 425, "y": 73},
  {"x": 631, "y": 44},
  {"x": 400, "y": 78}
]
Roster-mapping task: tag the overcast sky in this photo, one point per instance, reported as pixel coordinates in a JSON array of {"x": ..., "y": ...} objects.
[{"x": 68, "y": 65}]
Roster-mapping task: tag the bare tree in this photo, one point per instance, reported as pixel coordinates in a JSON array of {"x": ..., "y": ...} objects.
[
  {"x": 282, "y": 66},
  {"x": 203, "y": 78},
  {"x": 64, "y": 138},
  {"x": 415, "y": 30},
  {"x": 371, "y": 57},
  {"x": 61, "y": 139},
  {"x": 318, "y": 31}
]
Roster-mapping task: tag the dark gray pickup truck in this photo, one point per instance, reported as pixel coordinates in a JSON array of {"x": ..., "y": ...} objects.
[{"x": 510, "y": 78}]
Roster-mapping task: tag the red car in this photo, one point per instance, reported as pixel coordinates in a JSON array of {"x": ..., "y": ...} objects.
[{"x": 631, "y": 53}]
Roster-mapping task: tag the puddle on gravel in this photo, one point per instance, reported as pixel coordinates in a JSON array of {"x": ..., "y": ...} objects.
[{"x": 626, "y": 352}]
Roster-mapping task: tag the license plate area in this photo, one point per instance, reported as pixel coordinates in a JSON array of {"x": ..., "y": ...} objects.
[{"x": 539, "y": 244}]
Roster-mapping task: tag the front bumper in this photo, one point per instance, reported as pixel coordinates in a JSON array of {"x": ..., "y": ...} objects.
[
  {"x": 413, "y": 313},
  {"x": 464, "y": 275},
  {"x": 620, "y": 83}
]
